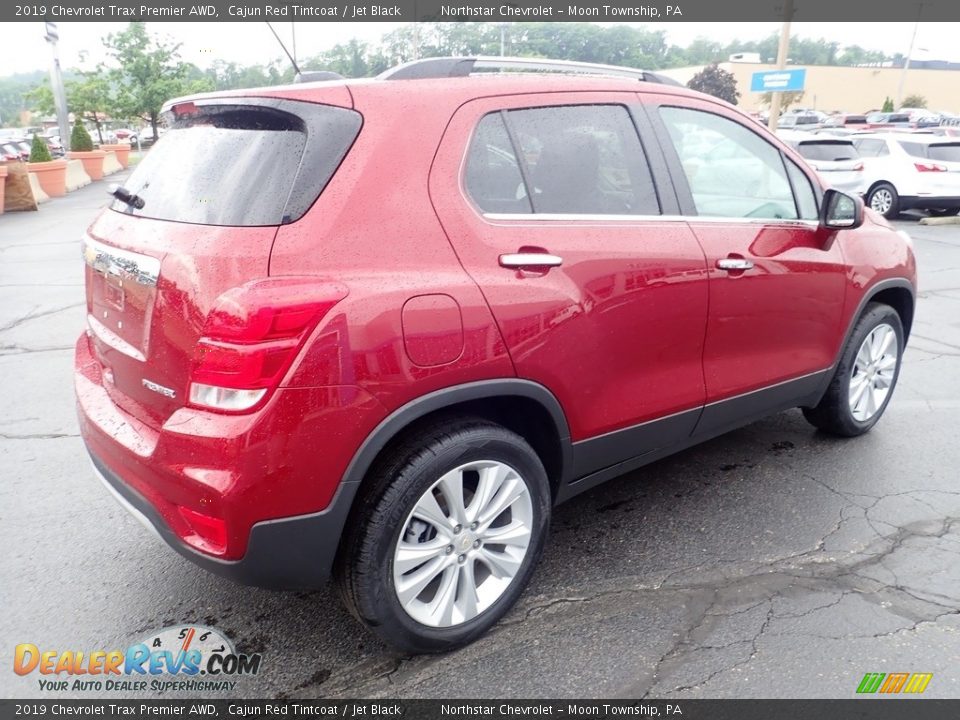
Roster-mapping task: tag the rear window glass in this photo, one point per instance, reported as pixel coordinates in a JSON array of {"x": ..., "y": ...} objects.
[
  {"x": 948, "y": 152},
  {"x": 855, "y": 119},
  {"x": 241, "y": 165},
  {"x": 828, "y": 150}
]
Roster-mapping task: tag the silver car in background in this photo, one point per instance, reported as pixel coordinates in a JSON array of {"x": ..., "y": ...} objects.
[{"x": 834, "y": 158}]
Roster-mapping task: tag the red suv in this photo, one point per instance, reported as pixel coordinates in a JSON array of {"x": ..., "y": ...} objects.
[{"x": 378, "y": 329}]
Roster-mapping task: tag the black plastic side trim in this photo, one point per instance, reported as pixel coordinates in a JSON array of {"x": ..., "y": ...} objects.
[
  {"x": 725, "y": 415},
  {"x": 295, "y": 552},
  {"x": 868, "y": 295},
  {"x": 872, "y": 292},
  {"x": 716, "y": 419},
  {"x": 615, "y": 447},
  {"x": 446, "y": 397}
]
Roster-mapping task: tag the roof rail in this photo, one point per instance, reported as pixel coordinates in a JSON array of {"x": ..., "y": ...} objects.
[{"x": 449, "y": 67}]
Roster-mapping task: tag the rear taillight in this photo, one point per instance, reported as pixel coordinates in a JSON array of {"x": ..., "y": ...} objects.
[
  {"x": 929, "y": 167},
  {"x": 251, "y": 338}
]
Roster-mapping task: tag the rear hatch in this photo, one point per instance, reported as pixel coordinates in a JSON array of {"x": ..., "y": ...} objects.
[
  {"x": 836, "y": 160},
  {"x": 196, "y": 218},
  {"x": 939, "y": 163}
]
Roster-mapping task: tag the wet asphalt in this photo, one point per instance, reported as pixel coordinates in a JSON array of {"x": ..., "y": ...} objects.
[{"x": 772, "y": 562}]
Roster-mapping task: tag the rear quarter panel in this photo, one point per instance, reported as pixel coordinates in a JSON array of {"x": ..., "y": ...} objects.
[{"x": 374, "y": 229}]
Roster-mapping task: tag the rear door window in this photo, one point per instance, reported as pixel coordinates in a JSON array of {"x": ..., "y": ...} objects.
[
  {"x": 576, "y": 159},
  {"x": 241, "y": 165},
  {"x": 493, "y": 176}
]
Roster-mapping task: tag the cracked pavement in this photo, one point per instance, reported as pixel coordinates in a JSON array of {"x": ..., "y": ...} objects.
[{"x": 771, "y": 562}]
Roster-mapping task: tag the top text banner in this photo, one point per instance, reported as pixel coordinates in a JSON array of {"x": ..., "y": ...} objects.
[{"x": 483, "y": 10}]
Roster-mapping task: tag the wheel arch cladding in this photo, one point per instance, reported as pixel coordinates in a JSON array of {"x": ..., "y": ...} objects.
[
  {"x": 524, "y": 407},
  {"x": 901, "y": 299}
]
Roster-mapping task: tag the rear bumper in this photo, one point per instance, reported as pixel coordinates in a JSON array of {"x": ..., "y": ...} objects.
[
  {"x": 294, "y": 552},
  {"x": 271, "y": 482}
]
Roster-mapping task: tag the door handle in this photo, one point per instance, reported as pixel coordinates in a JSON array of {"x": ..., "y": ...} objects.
[
  {"x": 734, "y": 263},
  {"x": 530, "y": 259}
]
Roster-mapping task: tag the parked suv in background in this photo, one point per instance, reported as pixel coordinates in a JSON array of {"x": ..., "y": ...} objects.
[
  {"x": 835, "y": 158},
  {"x": 378, "y": 329},
  {"x": 904, "y": 172}
]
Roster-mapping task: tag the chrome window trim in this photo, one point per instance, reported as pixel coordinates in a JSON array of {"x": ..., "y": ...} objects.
[{"x": 573, "y": 217}]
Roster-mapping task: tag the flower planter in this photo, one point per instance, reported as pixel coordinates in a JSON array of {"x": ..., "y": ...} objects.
[
  {"x": 121, "y": 149},
  {"x": 3, "y": 182},
  {"x": 92, "y": 162},
  {"x": 52, "y": 176}
]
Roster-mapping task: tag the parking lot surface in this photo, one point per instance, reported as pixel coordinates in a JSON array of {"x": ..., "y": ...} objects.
[{"x": 771, "y": 562}]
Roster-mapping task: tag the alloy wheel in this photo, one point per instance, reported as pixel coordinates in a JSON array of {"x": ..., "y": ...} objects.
[
  {"x": 463, "y": 543},
  {"x": 873, "y": 372},
  {"x": 881, "y": 200}
]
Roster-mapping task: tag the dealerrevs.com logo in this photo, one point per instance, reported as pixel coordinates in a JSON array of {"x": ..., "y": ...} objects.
[{"x": 188, "y": 658}]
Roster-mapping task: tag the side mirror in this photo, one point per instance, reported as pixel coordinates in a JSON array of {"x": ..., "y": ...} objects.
[{"x": 840, "y": 211}]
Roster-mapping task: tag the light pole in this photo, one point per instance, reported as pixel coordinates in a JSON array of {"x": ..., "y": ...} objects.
[
  {"x": 906, "y": 63},
  {"x": 782, "y": 54},
  {"x": 503, "y": 39},
  {"x": 56, "y": 84}
]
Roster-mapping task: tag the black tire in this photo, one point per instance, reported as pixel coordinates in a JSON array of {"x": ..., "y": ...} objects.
[
  {"x": 833, "y": 413},
  {"x": 894, "y": 209},
  {"x": 364, "y": 574},
  {"x": 944, "y": 212}
]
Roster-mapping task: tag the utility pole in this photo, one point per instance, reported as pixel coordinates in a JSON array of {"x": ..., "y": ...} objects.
[
  {"x": 503, "y": 39},
  {"x": 906, "y": 63},
  {"x": 782, "y": 55},
  {"x": 56, "y": 83}
]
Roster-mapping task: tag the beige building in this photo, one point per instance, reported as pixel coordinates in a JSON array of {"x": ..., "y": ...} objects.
[{"x": 847, "y": 89}]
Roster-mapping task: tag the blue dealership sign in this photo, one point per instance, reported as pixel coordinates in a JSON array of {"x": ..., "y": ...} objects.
[{"x": 778, "y": 80}]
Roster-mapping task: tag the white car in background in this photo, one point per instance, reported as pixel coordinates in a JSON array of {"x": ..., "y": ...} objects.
[
  {"x": 834, "y": 158},
  {"x": 911, "y": 171}
]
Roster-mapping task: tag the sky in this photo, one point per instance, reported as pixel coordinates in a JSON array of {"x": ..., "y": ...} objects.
[{"x": 251, "y": 42}]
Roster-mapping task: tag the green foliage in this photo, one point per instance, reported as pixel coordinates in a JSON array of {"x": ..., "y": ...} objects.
[
  {"x": 146, "y": 72},
  {"x": 887, "y": 105},
  {"x": 80, "y": 140},
  {"x": 716, "y": 81},
  {"x": 91, "y": 97},
  {"x": 914, "y": 101},
  {"x": 40, "y": 99},
  {"x": 39, "y": 152}
]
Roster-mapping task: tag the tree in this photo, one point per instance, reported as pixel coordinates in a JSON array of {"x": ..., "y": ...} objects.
[
  {"x": 786, "y": 98},
  {"x": 887, "y": 105},
  {"x": 91, "y": 98},
  {"x": 40, "y": 99},
  {"x": 80, "y": 140},
  {"x": 914, "y": 101},
  {"x": 714, "y": 80},
  {"x": 148, "y": 72},
  {"x": 39, "y": 152}
]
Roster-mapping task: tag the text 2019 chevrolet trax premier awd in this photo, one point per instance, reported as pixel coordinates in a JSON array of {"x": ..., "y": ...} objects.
[{"x": 377, "y": 329}]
